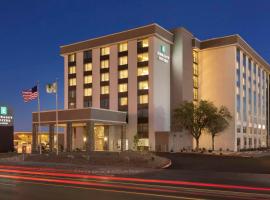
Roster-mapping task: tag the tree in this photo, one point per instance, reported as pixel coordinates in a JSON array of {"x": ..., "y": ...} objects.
[
  {"x": 218, "y": 121},
  {"x": 193, "y": 117}
]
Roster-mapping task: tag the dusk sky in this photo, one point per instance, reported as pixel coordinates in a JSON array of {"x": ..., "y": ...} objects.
[{"x": 31, "y": 32}]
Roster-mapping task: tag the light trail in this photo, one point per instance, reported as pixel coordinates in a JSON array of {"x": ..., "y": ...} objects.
[{"x": 140, "y": 180}]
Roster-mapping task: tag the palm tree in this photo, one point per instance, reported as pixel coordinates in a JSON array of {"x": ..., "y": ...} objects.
[
  {"x": 193, "y": 117},
  {"x": 218, "y": 121}
]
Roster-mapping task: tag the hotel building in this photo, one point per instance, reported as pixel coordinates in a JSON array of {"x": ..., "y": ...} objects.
[{"x": 128, "y": 83}]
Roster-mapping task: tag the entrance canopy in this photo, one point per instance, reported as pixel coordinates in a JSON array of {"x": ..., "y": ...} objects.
[
  {"x": 96, "y": 115},
  {"x": 85, "y": 117}
]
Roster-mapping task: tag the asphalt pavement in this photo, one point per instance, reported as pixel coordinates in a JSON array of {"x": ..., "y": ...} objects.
[{"x": 24, "y": 183}]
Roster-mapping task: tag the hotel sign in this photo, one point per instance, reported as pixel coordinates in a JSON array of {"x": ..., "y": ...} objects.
[
  {"x": 6, "y": 116},
  {"x": 162, "y": 54}
]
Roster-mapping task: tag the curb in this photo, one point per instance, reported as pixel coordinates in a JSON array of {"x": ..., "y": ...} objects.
[{"x": 167, "y": 165}]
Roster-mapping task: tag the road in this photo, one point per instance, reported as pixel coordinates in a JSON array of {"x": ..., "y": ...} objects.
[{"x": 24, "y": 183}]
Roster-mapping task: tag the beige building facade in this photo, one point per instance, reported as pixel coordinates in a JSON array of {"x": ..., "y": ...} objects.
[{"x": 148, "y": 71}]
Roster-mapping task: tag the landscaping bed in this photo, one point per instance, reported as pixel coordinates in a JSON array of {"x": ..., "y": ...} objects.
[{"x": 126, "y": 159}]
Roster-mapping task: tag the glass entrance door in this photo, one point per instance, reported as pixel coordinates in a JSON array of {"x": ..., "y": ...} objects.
[{"x": 99, "y": 138}]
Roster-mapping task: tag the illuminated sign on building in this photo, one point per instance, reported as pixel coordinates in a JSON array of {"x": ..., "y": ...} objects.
[
  {"x": 162, "y": 54},
  {"x": 6, "y": 116}
]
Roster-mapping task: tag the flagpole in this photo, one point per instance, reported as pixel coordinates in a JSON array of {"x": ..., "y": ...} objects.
[
  {"x": 56, "y": 101},
  {"x": 40, "y": 151}
]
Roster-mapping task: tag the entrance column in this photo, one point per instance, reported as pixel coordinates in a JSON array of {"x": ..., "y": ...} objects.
[
  {"x": 90, "y": 145},
  {"x": 34, "y": 138},
  {"x": 69, "y": 137},
  {"x": 51, "y": 137},
  {"x": 123, "y": 138}
]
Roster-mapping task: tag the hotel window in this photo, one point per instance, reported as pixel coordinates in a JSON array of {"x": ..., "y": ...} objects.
[
  {"x": 72, "y": 94},
  {"x": 143, "y": 43},
  {"x": 72, "y": 82},
  {"x": 104, "y": 103},
  {"x": 123, "y": 60},
  {"x": 105, "y": 77},
  {"x": 123, "y": 101},
  {"x": 104, "y": 64},
  {"x": 143, "y": 113},
  {"x": 142, "y": 71},
  {"x": 87, "y": 103},
  {"x": 105, "y": 51},
  {"x": 195, "y": 69},
  {"x": 105, "y": 90},
  {"x": 142, "y": 57},
  {"x": 123, "y": 47},
  {"x": 71, "y": 105},
  {"x": 88, "y": 67},
  {"x": 87, "y": 92},
  {"x": 142, "y": 129},
  {"x": 143, "y": 85},
  {"x": 87, "y": 79},
  {"x": 71, "y": 58},
  {"x": 143, "y": 99},
  {"x": 238, "y": 55},
  {"x": 195, "y": 94},
  {"x": 195, "y": 56},
  {"x": 123, "y": 74},
  {"x": 72, "y": 70},
  {"x": 195, "y": 75},
  {"x": 195, "y": 81},
  {"x": 87, "y": 55},
  {"x": 123, "y": 87}
]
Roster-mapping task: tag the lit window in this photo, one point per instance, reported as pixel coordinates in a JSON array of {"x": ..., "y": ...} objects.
[
  {"x": 88, "y": 67},
  {"x": 123, "y": 101},
  {"x": 195, "y": 56},
  {"x": 123, "y": 87},
  {"x": 72, "y": 70},
  {"x": 105, "y": 51},
  {"x": 142, "y": 57},
  {"x": 123, "y": 74},
  {"x": 123, "y": 60},
  {"x": 88, "y": 92},
  {"x": 123, "y": 47},
  {"x": 71, "y": 58},
  {"x": 105, "y": 77},
  {"x": 104, "y": 64},
  {"x": 143, "y": 85},
  {"x": 88, "y": 79},
  {"x": 72, "y": 82},
  {"x": 105, "y": 90},
  {"x": 143, "y": 99},
  {"x": 142, "y": 71},
  {"x": 195, "y": 82},
  {"x": 195, "y": 69},
  {"x": 143, "y": 43},
  {"x": 195, "y": 94}
]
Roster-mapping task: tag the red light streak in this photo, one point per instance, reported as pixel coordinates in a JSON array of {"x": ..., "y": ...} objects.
[{"x": 140, "y": 180}]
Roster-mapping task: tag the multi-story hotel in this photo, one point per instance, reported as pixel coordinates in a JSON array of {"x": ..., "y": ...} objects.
[{"x": 128, "y": 83}]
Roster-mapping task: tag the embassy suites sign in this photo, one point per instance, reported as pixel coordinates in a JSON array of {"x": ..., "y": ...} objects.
[
  {"x": 162, "y": 54},
  {"x": 6, "y": 116}
]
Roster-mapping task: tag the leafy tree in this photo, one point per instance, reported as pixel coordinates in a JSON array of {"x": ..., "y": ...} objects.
[
  {"x": 193, "y": 117},
  {"x": 218, "y": 121}
]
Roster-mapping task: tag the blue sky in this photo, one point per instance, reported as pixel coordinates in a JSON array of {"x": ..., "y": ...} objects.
[{"x": 31, "y": 32}]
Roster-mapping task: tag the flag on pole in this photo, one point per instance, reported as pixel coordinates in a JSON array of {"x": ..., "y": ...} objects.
[
  {"x": 30, "y": 94},
  {"x": 51, "y": 88}
]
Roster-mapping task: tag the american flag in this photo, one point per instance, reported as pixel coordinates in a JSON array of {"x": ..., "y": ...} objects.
[{"x": 30, "y": 94}]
